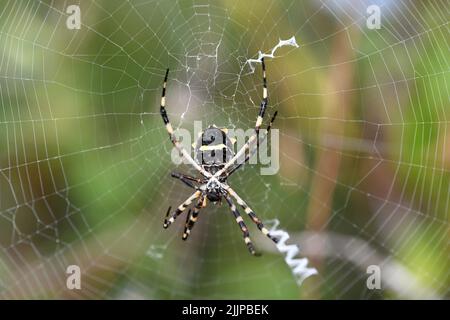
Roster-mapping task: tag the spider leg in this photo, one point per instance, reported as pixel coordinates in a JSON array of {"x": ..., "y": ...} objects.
[
  {"x": 237, "y": 156},
  {"x": 177, "y": 174},
  {"x": 168, "y": 211},
  {"x": 186, "y": 179},
  {"x": 253, "y": 151},
  {"x": 250, "y": 213},
  {"x": 180, "y": 209},
  {"x": 188, "y": 216},
  {"x": 242, "y": 225},
  {"x": 264, "y": 102},
  {"x": 192, "y": 218},
  {"x": 169, "y": 129},
  {"x": 255, "y": 135}
]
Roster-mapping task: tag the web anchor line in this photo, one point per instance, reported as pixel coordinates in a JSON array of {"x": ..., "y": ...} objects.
[{"x": 298, "y": 266}]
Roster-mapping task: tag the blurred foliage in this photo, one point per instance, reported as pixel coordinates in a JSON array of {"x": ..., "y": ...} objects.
[{"x": 85, "y": 159}]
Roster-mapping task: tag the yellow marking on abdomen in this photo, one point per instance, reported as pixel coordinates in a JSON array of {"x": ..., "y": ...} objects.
[{"x": 212, "y": 147}]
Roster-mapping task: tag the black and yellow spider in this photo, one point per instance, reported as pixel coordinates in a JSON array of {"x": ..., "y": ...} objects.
[{"x": 216, "y": 161}]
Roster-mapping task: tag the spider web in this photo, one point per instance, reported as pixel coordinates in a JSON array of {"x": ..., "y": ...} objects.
[{"x": 85, "y": 160}]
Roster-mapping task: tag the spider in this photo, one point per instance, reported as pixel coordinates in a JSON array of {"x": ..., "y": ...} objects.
[{"x": 216, "y": 161}]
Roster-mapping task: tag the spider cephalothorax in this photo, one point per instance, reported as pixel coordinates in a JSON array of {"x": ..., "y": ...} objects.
[
  {"x": 216, "y": 161},
  {"x": 213, "y": 190}
]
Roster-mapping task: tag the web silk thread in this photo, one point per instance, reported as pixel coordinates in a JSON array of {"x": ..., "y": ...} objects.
[{"x": 298, "y": 266}]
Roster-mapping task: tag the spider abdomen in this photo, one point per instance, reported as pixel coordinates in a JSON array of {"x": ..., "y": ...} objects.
[{"x": 213, "y": 149}]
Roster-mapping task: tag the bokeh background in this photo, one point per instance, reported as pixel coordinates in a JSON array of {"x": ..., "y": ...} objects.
[{"x": 85, "y": 160}]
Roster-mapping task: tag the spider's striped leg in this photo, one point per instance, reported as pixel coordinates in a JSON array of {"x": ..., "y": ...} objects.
[
  {"x": 254, "y": 136},
  {"x": 188, "y": 216},
  {"x": 169, "y": 129},
  {"x": 167, "y": 214},
  {"x": 180, "y": 209},
  {"x": 237, "y": 156},
  {"x": 252, "y": 152},
  {"x": 263, "y": 106},
  {"x": 186, "y": 179},
  {"x": 185, "y": 176},
  {"x": 250, "y": 213},
  {"x": 242, "y": 225},
  {"x": 192, "y": 218}
]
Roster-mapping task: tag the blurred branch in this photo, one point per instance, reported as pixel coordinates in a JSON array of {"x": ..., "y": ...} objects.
[
  {"x": 395, "y": 276},
  {"x": 97, "y": 257},
  {"x": 336, "y": 106}
]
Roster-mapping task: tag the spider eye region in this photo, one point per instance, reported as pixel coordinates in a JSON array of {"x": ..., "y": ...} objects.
[{"x": 213, "y": 190}]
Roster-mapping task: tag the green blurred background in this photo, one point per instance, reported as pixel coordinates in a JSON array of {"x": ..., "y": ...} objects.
[{"x": 85, "y": 160}]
